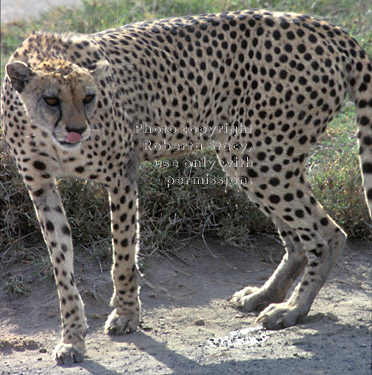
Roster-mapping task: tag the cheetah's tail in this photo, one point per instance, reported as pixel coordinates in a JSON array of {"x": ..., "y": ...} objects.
[{"x": 361, "y": 84}]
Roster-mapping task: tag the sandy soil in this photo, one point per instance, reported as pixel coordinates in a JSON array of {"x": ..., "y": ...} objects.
[{"x": 189, "y": 328}]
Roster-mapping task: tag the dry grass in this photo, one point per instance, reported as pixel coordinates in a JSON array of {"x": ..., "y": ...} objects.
[{"x": 167, "y": 211}]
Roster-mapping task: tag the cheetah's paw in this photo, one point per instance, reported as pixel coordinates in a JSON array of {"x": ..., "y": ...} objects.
[
  {"x": 121, "y": 324},
  {"x": 279, "y": 316},
  {"x": 248, "y": 299},
  {"x": 67, "y": 354}
]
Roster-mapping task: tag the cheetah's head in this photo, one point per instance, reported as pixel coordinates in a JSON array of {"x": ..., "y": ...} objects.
[{"x": 58, "y": 96}]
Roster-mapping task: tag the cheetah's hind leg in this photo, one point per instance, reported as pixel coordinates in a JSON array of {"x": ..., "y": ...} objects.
[
  {"x": 322, "y": 241},
  {"x": 277, "y": 286}
]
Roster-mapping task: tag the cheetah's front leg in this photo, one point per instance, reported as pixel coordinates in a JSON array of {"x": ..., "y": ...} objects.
[
  {"x": 57, "y": 235},
  {"x": 125, "y": 316}
]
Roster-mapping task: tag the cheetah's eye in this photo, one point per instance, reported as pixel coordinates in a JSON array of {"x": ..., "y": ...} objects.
[
  {"x": 88, "y": 99},
  {"x": 52, "y": 101}
]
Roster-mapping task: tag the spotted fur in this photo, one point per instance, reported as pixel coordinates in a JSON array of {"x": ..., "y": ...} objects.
[{"x": 78, "y": 105}]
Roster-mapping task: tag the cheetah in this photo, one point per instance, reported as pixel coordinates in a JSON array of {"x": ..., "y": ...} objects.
[{"x": 94, "y": 106}]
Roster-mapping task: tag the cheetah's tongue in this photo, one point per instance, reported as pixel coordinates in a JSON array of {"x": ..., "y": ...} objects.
[{"x": 73, "y": 137}]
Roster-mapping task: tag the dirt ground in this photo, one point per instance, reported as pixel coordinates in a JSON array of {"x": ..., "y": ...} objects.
[{"x": 188, "y": 327}]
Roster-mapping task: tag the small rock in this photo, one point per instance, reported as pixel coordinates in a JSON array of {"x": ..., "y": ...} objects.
[
  {"x": 52, "y": 313},
  {"x": 199, "y": 322},
  {"x": 332, "y": 317},
  {"x": 299, "y": 342}
]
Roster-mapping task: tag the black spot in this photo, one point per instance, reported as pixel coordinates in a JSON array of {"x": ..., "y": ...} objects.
[
  {"x": 362, "y": 104},
  {"x": 274, "y": 198},
  {"x": 268, "y": 44},
  {"x": 288, "y": 48},
  {"x": 66, "y": 230},
  {"x": 363, "y": 87},
  {"x": 276, "y": 34},
  {"x": 303, "y": 139},
  {"x": 288, "y": 197},
  {"x": 261, "y": 156},
  {"x": 319, "y": 50},
  {"x": 260, "y": 31},
  {"x": 274, "y": 181},
  {"x": 367, "y": 168},
  {"x": 313, "y": 38},
  {"x": 49, "y": 226},
  {"x": 277, "y": 167},
  {"x": 301, "y": 48},
  {"x": 299, "y": 213},
  {"x": 283, "y": 74},
  {"x": 324, "y": 221},
  {"x": 252, "y": 173},
  {"x": 38, "y": 193},
  {"x": 79, "y": 169},
  {"x": 284, "y": 24},
  {"x": 305, "y": 237},
  {"x": 269, "y": 22},
  {"x": 283, "y": 58},
  {"x": 39, "y": 165},
  {"x": 278, "y": 150},
  {"x": 364, "y": 121},
  {"x": 369, "y": 194},
  {"x": 300, "y": 194},
  {"x": 367, "y": 78}
]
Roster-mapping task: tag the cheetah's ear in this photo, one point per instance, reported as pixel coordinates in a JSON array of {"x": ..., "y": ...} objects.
[
  {"x": 19, "y": 74},
  {"x": 100, "y": 68}
]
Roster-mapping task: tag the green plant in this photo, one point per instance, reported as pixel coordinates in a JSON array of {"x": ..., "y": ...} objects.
[{"x": 14, "y": 286}]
